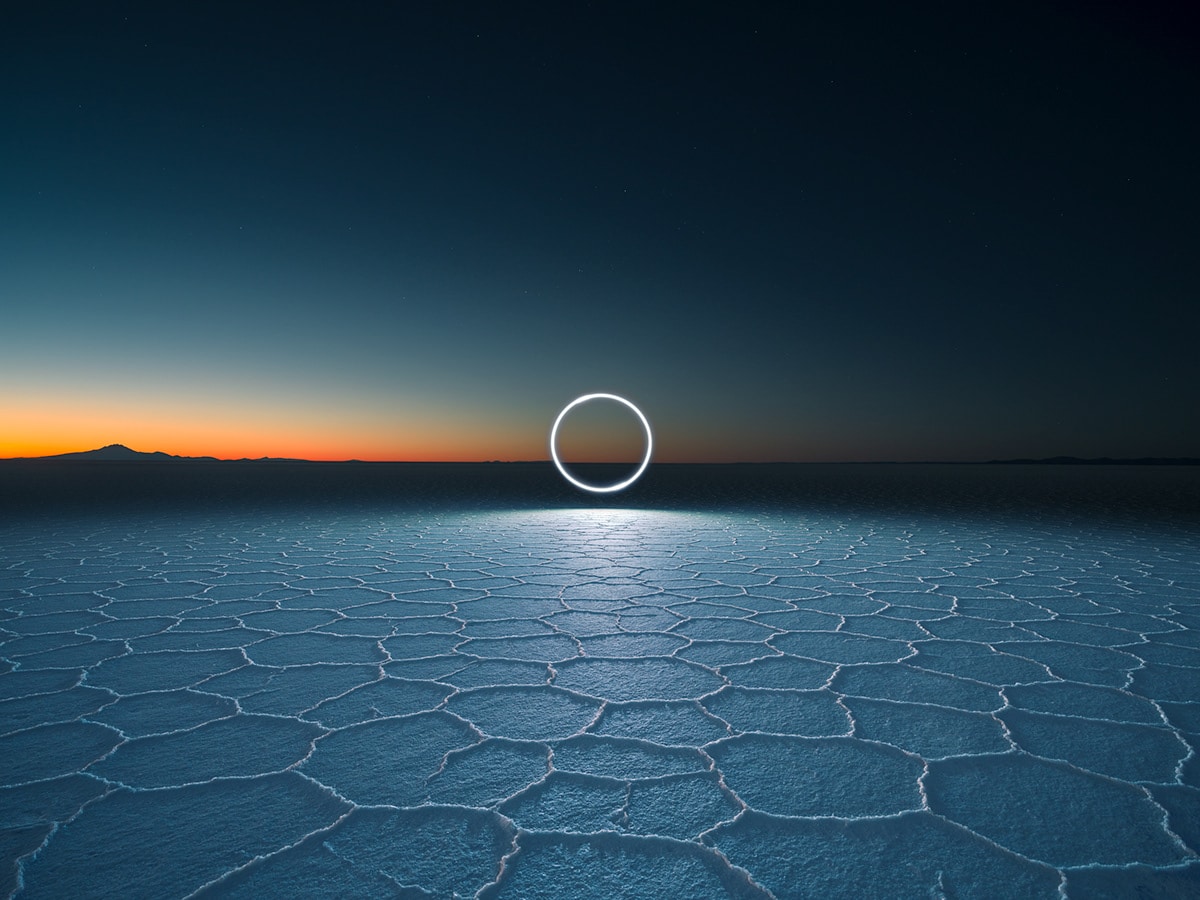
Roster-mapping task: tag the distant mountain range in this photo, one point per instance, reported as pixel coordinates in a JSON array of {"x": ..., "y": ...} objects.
[{"x": 121, "y": 453}]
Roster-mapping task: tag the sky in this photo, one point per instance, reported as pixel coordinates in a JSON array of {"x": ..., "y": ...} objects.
[{"x": 416, "y": 231}]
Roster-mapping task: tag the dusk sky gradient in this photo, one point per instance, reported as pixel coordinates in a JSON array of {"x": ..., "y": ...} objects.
[{"x": 416, "y": 231}]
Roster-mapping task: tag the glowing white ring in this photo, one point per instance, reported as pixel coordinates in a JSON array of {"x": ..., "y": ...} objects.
[{"x": 603, "y": 489}]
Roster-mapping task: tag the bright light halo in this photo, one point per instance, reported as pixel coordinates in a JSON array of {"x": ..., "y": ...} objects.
[{"x": 582, "y": 485}]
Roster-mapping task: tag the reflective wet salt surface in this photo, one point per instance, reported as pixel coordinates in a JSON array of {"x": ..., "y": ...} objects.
[{"x": 772, "y": 700}]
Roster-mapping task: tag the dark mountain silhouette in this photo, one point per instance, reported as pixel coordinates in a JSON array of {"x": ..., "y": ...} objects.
[
  {"x": 118, "y": 452},
  {"x": 121, "y": 453}
]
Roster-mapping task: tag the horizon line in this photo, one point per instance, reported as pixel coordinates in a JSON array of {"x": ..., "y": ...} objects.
[{"x": 123, "y": 453}]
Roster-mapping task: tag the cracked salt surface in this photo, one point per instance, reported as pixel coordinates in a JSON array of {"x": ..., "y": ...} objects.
[{"x": 598, "y": 702}]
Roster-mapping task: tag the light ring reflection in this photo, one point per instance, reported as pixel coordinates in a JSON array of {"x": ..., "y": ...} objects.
[{"x": 583, "y": 485}]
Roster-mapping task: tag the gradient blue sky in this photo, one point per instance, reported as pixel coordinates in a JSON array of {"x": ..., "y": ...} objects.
[{"x": 416, "y": 231}]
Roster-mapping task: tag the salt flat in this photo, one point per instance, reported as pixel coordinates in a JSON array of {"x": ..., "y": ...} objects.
[{"x": 601, "y": 699}]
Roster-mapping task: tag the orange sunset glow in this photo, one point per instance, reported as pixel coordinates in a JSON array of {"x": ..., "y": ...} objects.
[{"x": 236, "y": 433}]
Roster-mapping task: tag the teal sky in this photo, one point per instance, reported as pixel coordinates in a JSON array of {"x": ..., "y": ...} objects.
[{"x": 398, "y": 232}]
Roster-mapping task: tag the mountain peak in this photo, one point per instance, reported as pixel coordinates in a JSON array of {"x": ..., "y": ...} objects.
[
  {"x": 114, "y": 451},
  {"x": 110, "y": 452}
]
